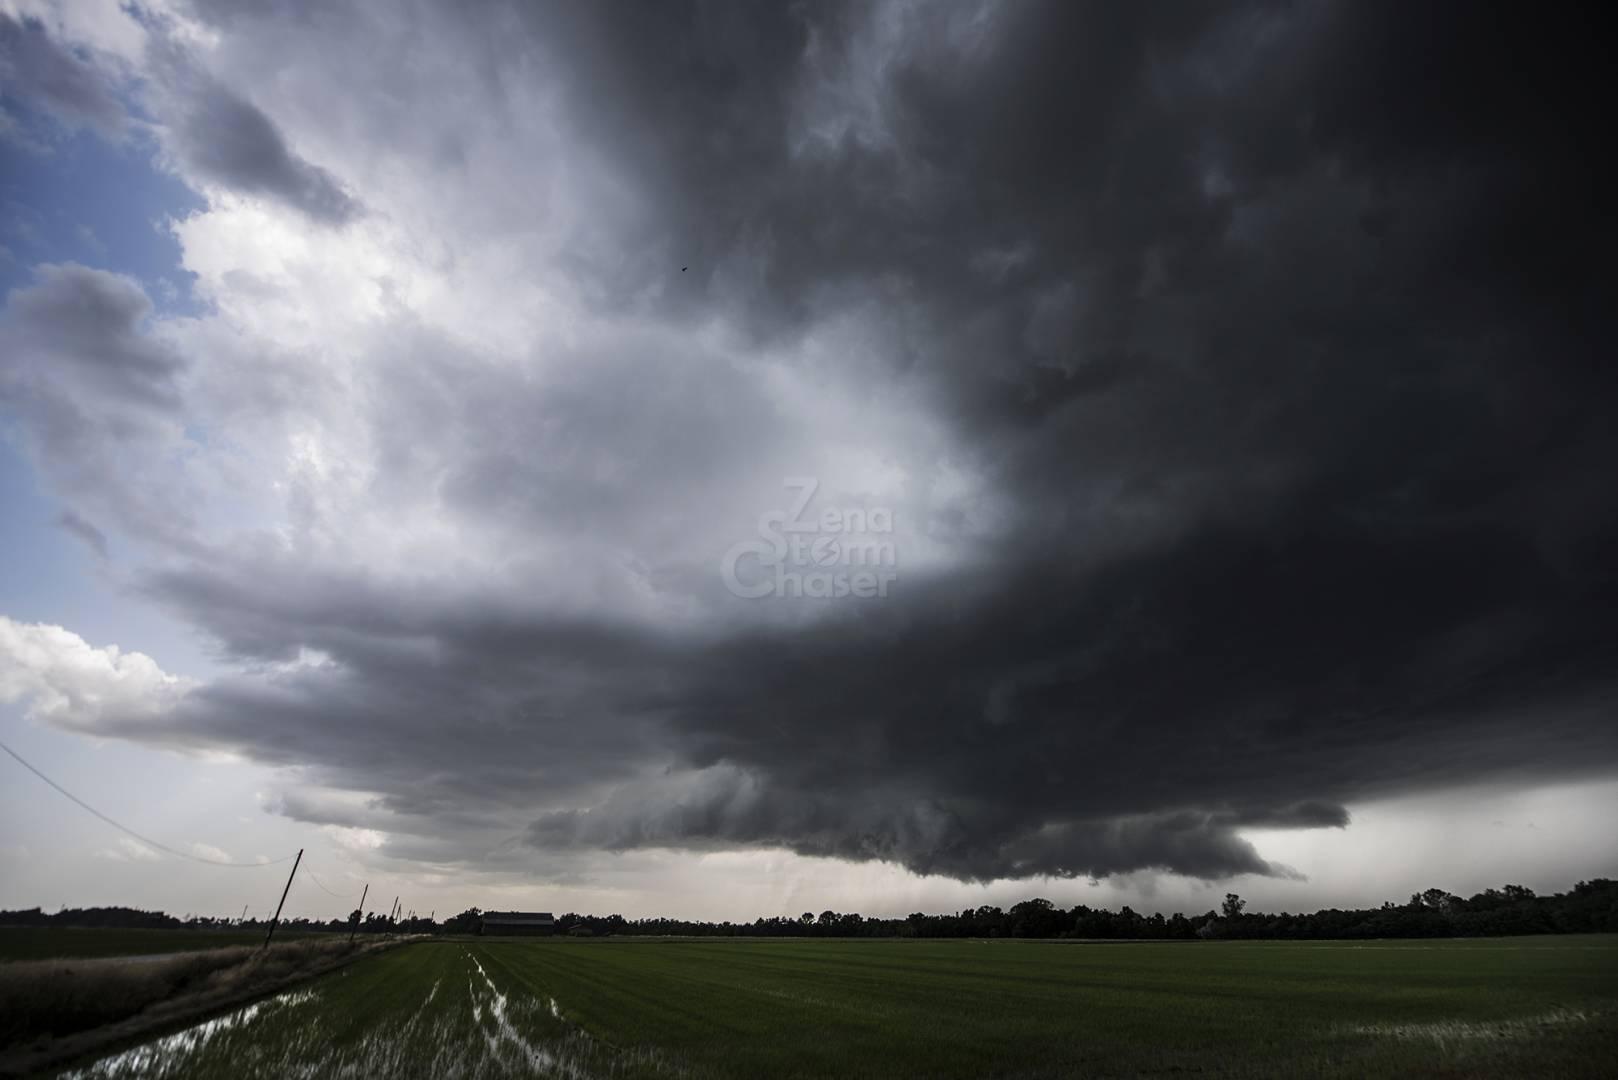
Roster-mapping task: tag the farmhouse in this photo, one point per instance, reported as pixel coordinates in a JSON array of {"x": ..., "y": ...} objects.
[{"x": 506, "y": 923}]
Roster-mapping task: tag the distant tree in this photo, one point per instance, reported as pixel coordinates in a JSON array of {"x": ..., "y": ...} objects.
[
  {"x": 464, "y": 923},
  {"x": 1035, "y": 918},
  {"x": 1435, "y": 900},
  {"x": 1590, "y": 907}
]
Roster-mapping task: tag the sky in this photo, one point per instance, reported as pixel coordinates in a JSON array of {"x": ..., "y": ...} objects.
[{"x": 721, "y": 460}]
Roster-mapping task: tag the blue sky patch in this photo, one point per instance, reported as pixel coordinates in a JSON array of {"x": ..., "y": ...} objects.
[{"x": 74, "y": 197}]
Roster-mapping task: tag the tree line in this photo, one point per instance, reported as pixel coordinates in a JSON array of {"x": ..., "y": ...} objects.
[
  {"x": 136, "y": 919},
  {"x": 1589, "y": 907}
]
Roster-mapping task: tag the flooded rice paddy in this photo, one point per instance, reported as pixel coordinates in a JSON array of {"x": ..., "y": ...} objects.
[
  {"x": 463, "y": 1024},
  {"x": 762, "y": 1008}
]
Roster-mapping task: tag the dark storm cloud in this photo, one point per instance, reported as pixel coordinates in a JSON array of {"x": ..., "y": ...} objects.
[
  {"x": 84, "y": 327},
  {"x": 961, "y": 838},
  {"x": 1277, "y": 325},
  {"x": 228, "y": 140},
  {"x": 218, "y": 135},
  {"x": 1269, "y": 332},
  {"x": 90, "y": 387},
  {"x": 38, "y": 69}
]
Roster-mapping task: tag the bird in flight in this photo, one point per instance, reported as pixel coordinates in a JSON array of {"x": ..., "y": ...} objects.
[{"x": 683, "y": 269}]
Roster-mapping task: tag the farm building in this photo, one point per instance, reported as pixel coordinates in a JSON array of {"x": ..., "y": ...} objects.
[{"x": 506, "y": 923}]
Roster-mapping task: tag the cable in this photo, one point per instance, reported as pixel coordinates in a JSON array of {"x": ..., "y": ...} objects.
[
  {"x": 322, "y": 887},
  {"x": 125, "y": 828}
]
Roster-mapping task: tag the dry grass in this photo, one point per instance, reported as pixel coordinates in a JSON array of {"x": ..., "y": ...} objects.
[{"x": 42, "y": 999}]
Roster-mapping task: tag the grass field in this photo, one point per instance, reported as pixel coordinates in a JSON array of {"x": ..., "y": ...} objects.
[
  {"x": 748, "y": 1008},
  {"x": 51, "y": 942}
]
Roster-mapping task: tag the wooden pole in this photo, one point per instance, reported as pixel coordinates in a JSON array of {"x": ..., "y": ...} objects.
[
  {"x": 284, "y": 892},
  {"x": 363, "y": 893}
]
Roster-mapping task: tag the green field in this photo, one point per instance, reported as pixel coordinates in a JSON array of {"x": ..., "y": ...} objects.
[
  {"x": 51, "y": 942},
  {"x": 1544, "y": 1006}
]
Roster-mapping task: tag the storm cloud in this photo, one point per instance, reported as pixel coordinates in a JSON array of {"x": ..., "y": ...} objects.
[
  {"x": 228, "y": 140},
  {"x": 35, "y": 68},
  {"x": 1233, "y": 376}
]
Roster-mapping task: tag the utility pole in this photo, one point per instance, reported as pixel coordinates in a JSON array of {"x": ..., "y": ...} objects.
[
  {"x": 366, "y": 891},
  {"x": 393, "y": 916},
  {"x": 284, "y": 892},
  {"x": 244, "y": 914}
]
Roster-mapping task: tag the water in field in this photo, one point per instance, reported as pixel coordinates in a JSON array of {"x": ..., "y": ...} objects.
[
  {"x": 461, "y": 1024},
  {"x": 170, "y": 1053}
]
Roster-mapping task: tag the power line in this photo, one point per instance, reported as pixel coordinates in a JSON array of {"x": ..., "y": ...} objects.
[
  {"x": 125, "y": 828},
  {"x": 310, "y": 874}
]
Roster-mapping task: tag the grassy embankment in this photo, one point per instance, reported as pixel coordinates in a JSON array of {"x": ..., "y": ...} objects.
[
  {"x": 55, "y": 942},
  {"x": 55, "y": 1008}
]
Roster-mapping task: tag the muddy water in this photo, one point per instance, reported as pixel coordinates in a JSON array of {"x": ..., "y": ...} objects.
[{"x": 461, "y": 1024}]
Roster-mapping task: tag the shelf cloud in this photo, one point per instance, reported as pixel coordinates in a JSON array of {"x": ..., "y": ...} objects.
[{"x": 1236, "y": 401}]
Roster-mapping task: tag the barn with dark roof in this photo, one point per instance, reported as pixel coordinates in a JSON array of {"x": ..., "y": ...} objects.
[{"x": 512, "y": 923}]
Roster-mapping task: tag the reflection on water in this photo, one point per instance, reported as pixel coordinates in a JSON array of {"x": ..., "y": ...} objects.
[
  {"x": 163, "y": 1056},
  {"x": 1453, "y": 1031},
  {"x": 506, "y": 1039},
  {"x": 485, "y": 1032}
]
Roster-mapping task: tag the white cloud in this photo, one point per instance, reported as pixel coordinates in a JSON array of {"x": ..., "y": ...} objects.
[
  {"x": 355, "y": 839},
  {"x": 128, "y": 850},
  {"x": 67, "y": 682},
  {"x": 107, "y": 26}
]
